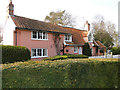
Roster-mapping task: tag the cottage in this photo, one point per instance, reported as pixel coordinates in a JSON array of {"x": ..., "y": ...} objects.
[{"x": 44, "y": 39}]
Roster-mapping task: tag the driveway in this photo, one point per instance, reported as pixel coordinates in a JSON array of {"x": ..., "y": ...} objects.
[{"x": 108, "y": 56}]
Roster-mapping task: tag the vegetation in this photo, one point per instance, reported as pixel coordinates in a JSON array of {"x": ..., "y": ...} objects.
[
  {"x": 14, "y": 53},
  {"x": 87, "y": 50},
  {"x": 77, "y": 73},
  {"x": 115, "y": 50},
  {"x": 61, "y": 57},
  {"x": 62, "y": 18},
  {"x": 105, "y": 31}
]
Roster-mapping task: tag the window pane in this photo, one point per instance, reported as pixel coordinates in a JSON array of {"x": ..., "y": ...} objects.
[
  {"x": 65, "y": 37},
  {"x": 39, "y": 35},
  {"x": 43, "y": 35},
  {"x": 33, "y": 52},
  {"x": 39, "y": 51},
  {"x": 34, "y": 34},
  {"x": 44, "y": 52},
  {"x": 75, "y": 49},
  {"x": 46, "y": 36}
]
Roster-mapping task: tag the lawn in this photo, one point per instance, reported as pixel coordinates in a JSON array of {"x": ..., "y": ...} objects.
[{"x": 68, "y": 73}]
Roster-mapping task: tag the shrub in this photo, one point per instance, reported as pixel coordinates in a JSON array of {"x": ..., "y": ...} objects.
[
  {"x": 14, "y": 53},
  {"x": 115, "y": 50},
  {"x": 56, "y": 58},
  {"x": 76, "y": 56},
  {"x": 66, "y": 56},
  {"x": 87, "y": 50}
]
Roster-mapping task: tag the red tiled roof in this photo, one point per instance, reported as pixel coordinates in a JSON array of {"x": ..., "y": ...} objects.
[
  {"x": 100, "y": 44},
  {"x": 77, "y": 35},
  {"x": 26, "y": 23}
]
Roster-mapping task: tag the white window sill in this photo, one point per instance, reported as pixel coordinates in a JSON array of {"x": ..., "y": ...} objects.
[
  {"x": 39, "y": 56},
  {"x": 75, "y": 52},
  {"x": 38, "y": 39},
  {"x": 67, "y": 41}
]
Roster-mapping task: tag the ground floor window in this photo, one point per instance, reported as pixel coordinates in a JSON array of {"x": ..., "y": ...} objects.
[
  {"x": 39, "y": 52},
  {"x": 75, "y": 49}
]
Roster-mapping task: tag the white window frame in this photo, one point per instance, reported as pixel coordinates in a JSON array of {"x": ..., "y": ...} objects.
[
  {"x": 68, "y": 40},
  {"x": 80, "y": 50},
  {"x": 75, "y": 51},
  {"x": 37, "y": 53},
  {"x": 37, "y": 35}
]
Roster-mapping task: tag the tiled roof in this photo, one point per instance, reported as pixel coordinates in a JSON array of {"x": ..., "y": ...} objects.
[
  {"x": 31, "y": 24},
  {"x": 77, "y": 35},
  {"x": 100, "y": 44}
]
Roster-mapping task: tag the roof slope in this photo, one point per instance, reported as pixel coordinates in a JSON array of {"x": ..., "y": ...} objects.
[
  {"x": 100, "y": 44},
  {"x": 77, "y": 35},
  {"x": 31, "y": 24}
]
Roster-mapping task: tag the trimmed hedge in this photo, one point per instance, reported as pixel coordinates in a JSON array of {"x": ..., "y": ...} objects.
[
  {"x": 61, "y": 57},
  {"x": 12, "y": 54},
  {"x": 77, "y": 73},
  {"x": 115, "y": 50}
]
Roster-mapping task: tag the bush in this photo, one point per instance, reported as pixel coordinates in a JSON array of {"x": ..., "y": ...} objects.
[
  {"x": 12, "y": 54},
  {"x": 61, "y": 74},
  {"x": 87, "y": 50},
  {"x": 115, "y": 50},
  {"x": 66, "y": 56}
]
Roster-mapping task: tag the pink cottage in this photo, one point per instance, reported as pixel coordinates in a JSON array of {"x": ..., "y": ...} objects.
[{"x": 45, "y": 39}]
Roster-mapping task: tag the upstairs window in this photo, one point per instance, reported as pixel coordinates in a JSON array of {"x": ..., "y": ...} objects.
[
  {"x": 39, "y": 35},
  {"x": 68, "y": 38}
]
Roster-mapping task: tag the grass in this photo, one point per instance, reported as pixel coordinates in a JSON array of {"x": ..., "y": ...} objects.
[{"x": 70, "y": 73}]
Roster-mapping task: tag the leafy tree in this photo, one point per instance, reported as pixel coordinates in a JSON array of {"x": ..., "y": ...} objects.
[
  {"x": 62, "y": 18},
  {"x": 87, "y": 50},
  {"x": 104, "y": 31}
]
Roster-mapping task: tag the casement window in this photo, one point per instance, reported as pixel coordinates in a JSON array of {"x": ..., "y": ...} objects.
[
  {"x": 39, "y": 35},
  {"x": 39, "y": 52},
  {"x": 68, "y": 38},
  {"x": 75, "y": 49}
]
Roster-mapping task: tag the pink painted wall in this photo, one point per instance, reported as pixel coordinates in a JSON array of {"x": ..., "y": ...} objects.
[
  {"x": 24, "y": 39},
  {"x": 71, "y": 50}
]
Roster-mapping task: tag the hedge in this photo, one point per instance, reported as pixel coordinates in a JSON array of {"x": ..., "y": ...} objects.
[
  {"x": 61, "y": 74},
  {"x": 115, "y": 50},
  {"x": 66, "y": 56},
  {"x": 12, "y": 54}
]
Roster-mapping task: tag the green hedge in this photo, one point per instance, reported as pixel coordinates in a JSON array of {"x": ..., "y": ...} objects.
[
  {"x": 66, "y": 56},
  {"x": 61, "y": 74},
  {"x": 12, "y": 54},
  {"x": 115, "y": 50}
]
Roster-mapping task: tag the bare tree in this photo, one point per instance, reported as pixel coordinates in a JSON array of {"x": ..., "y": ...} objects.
[
  {"x": 104, "y": 31},
  {"x": 62, "y": 18}
]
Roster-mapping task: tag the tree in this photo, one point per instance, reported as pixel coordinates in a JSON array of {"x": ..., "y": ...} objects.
[
  {"x": 62, "y": 18},
  {"x": 104, "y": 31},
  {"x": 87, "y": 50}
]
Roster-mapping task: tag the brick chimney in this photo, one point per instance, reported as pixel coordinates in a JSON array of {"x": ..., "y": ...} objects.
[
  {"x": 87, "y": 26},
  {"x": 11, "y": 8}
]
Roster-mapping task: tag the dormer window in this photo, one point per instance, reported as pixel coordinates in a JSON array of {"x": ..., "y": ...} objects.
[
  {"x": 90, "y": 38},
  {"x": 68, "y": 38}
]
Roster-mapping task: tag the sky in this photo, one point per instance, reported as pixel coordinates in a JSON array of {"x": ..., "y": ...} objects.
[{"x": 81, "y": 9}]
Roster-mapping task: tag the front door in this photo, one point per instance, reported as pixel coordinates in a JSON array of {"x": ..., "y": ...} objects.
[{"x": 80, "y": 50}]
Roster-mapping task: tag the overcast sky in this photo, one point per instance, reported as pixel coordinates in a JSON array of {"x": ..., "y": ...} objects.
[{"x": 82, "y": 9}]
